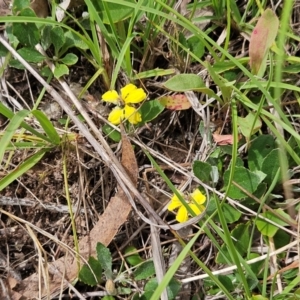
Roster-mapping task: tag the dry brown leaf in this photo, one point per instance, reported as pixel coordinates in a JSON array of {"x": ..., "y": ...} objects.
[
  {"x": 104, "y": 231},
  {"x": 223, "y": 139}
]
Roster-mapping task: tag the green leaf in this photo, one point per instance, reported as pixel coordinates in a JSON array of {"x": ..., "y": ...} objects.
[
  {"x": 105, "y": 259},
  {"x": 267, "y": 228},
  {"x": 259, "y": 149},
  {"x": 133, "y": 259},
  {"x": 11, "y": 129},
  {"x": 241, "y": 233},
  {"x": 196, "y": 46},
  {"x": 57, "y": 38},
  {"x": 9, "y": 114},
  {"x": 262, "y": 38},
  {"x": 150, "y": 110},
  {"x": 18, "y": 5},
  {"x": 256, "y": 267},
  {"x": 60, "y": 70},
  {"x": 243, "y": 177},
  {"x": 144, "y": 271},
  {"x": 185, "y": 82},
  {"x": 47, "y": 126},
  {"x": 46, "y": 40},
  {"x": 69, "y": 59},
  {"x": 175, "y": 102},
  {"x": 189, "y": 82},
  {"x": 226, "y": 281},
  {"x": 172, "y": 289},
  {"x": 14, "y": 63},
  {"x": 23, "y": 168},
  {"x": 111, "y": 133},
  {"x": 202, "y": 170},
  {"x": 86, "y": 273},
  {"x": 73, "y": 40},
  {"x": 231, "y": 214},
  {"x": 246, "y": 125},
  {"x": 31, "y": 55},
  {"x": 271, "y": 165},
  {"x": 27, "y": 33}
]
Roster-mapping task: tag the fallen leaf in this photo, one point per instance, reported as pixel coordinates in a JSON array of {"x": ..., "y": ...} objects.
[
  {"x": 175, "y": 102},
  {"x": 114, "y": 216},
  {"x": 224, "y": 139}
]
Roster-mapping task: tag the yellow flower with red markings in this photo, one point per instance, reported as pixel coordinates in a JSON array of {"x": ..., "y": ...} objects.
[
  {"x": 124, "y": 110},
  {"x": 194, "y": 200}
]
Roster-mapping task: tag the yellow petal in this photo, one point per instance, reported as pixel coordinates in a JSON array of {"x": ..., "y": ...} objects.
[
  {"x": 197, "y": 197},
  {"x": 182, "y": 215},
  {"x": 132, "y": 115},
  {"x": 111, "y": 96},
  {"x": 175, "y": 202},
  {"x": 116, "y": 115},
  {"x": 131, "y": 94},
  {"x": 197, "y": 209}
]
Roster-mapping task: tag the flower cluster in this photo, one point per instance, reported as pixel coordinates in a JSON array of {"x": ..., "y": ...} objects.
[
  {"x": 194, "y": 200},
  {"x": 124, "y": 109}
]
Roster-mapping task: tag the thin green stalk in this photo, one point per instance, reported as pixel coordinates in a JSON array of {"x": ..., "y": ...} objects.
[{"x": 228, "y": 28}]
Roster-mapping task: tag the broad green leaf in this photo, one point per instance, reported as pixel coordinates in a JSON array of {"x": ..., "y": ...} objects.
[
  {"x": 267, "y": 228},
  {"x": 202, "y": 170},
  {"x": 189, "y": 82},
  {"x": 241, "y": 233},
  {"x": 27, "y": 33},
  {"x": 19, "y": 5},
  {"x": 185, "y": 82},
  {"x": 23, "y": 168},
  {"x": 257, "y": 267},
  {"x": 150, "y": 110},
  {"x": 246, "y": 125},
  {"x": 226, "y": 281},
  {"x": 196, "y": 46},
  {"x": 47, "y": 126},
  {"x": 46, "y": 37},
  {"x": 243, "y": 177},
  {"x": 57, "y": 38},
  {"x": 60, "y": 70},
  {"x": 73, "y": 40},
  {"x": 230, "y": 213},
  {"x": 14, "y": 63},
  {"x": 175, "y": 102},
  {"x": 259, "y": 149},
  {"x": 271, "y": 165},
  {"x": 31, "y": 55},
  {"x": 144, "y": 271},
  {"x": 11, "y": 129},
  {"x": 111, "y": 133},
  {"x": 86, "y": 273},
  {"x": 69, "y": 59},
  {"x": 262, "y": 38},
  {"x": 105, "y": 259},
  {"x": 134, "y": 258},
  {"x": 172, "y": 289}
]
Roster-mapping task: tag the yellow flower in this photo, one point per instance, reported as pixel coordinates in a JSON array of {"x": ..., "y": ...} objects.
[
  {"x": 130, "y": 94},
  {"x": 194, "y": 201}
]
